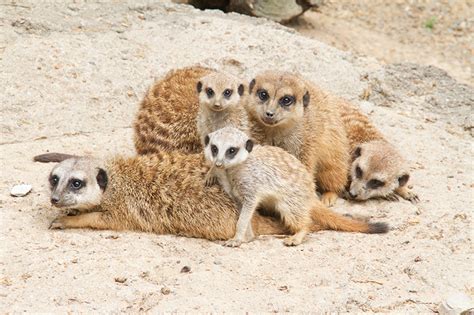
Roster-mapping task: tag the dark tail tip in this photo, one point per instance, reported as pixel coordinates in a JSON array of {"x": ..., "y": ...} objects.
[
  {"x": 52, "y": 157},
  {"x": 378, "y": 228}
]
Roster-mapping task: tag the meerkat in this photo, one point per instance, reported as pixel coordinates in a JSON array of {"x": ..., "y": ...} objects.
[
  {"x": 220, "y": 105},
  {"x": 163, "y": 193},
  {"x": 377, "y": 169},
  {"x": 268, "y": 176},
  {"x": 291, "y": 113},
  {"x": 166, "y": 118}
]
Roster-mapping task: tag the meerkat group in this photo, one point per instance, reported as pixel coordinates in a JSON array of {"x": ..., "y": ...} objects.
[{"x": 270, "y": 144}]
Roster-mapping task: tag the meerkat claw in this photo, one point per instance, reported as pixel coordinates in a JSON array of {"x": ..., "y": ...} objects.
[
  {"x": 233, "y": 243},
  {"x": 210, "y": 180},
  {"x": 57, "y": 224}
]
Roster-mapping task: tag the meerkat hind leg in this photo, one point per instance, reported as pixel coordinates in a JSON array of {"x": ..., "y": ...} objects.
[{"x": 243, "y": 230}]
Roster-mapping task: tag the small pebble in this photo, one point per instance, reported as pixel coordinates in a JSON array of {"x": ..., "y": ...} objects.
[
  {"x": 20, "y": 190},
  {"x": 165, "y": 291},
  {"x": 185, "y": 269},
  {"x": 120, "y": 279}
]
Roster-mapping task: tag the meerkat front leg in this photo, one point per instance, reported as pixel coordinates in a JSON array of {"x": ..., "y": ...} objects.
[
  {"x": 243, "y": 231},
  {"x": 211, "y": 177},
  {"x": 332, "y": 179},
  {"x": 93, "y": 220},
  {"x": 407, "y": 194}
]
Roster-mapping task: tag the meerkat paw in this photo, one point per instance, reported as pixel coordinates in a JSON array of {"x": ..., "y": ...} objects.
[
  {"x": 407, "y": 194},
  {"x": 295, "y": 239},
  {"x": 391, "y": 197},
  {"x": 233, "y": 242},
  {"x": 329, "y": 198},
  {"x": 58, "y": 224},
  {"x": 210, "y": 180}
]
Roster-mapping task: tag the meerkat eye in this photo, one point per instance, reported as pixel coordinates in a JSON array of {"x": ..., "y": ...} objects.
[
  {"x": 262, "y": 95},
  {"x": 286, "y": 100},
  {"x": 209, "y": 92},
  {"x": 76, "y": 184},
  {"x": 53, "y": 180},
  {"x": 359, "y": 172},
  {"x": 214, "y": 150},
  {"x": 231, "y": 152},
  {"x": 375, "y": 183},
  {"x": 227, "y": 93}
]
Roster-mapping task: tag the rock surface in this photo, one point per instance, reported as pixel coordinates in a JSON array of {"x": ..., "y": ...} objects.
[{"x": 73, "y": 75}]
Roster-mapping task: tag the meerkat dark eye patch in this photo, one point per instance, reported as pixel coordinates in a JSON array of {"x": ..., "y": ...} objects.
[
  {"x": 209, "y": 92},
  {"x": 306, "y": 99},
  {"x": 240, "y": 90},
  {"x": 359, "y": 172},
  {"x": 249, "y": 145},
  {"x": 263, "y": 95},
  {"x": 403, "y": 180},
  {"x": 357, "y": 152},
  {"x": 374, "y": 184},
  {"x": 102, "y": 179},
  {"x": 53, "y": 180},
  {"x": 227, "y": 93},
  {"x": 199, "y": 87},
  {"x": 214, "y": 150},
  {"x": 251, "y": 85},
  {"x": 231, "y": 152},
  {"x": 76, "y": 184},
  {"x": 206, "y": 140},
  {"x": 286, "y": 100}
]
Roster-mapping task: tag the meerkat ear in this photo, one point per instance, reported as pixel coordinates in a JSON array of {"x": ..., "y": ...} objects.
[
  {"x": 102, "y": 179},
  {"x": 199, "y": 87},
  {"x": 403, "y": 180},
  {"x": 306, "y": 99},
  {"x": 206, "y": 140},
  {"x": 251, "y": 85},
  {"x": 241, "y": 89},
  {"x": 357, "y": 152},
  {"x": 249, "y": 145}
]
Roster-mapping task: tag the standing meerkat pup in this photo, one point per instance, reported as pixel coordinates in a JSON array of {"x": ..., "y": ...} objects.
[
  {"x": 220, "y": 105},
  {"x": 289, "y": 112},
  {"x": 166, "y": 118},
  {"x": 377, "y": 170},
  {"x": 269, "y": 177}
]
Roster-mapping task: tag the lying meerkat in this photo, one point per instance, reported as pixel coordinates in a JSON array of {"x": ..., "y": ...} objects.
[
  {"x": 220, "y": 105},
  {"x": 289, "y": 112},
  {"x": 166, "y": 118},
  {"x": 267, "y": 176},
  {"x": 163, "y": 193},
  {"x": 377, "y": 169}
]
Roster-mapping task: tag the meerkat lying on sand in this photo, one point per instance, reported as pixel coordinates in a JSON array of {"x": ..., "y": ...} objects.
[
  {"x": 377, "y": 170},
  {"x": 266, "y": 176},
  {"x": 163, "y": 193}
]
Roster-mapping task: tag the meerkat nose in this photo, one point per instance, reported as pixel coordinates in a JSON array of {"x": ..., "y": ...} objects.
[
  {"x": 353, "y": 196},
  {"x": 54, "y": 200},
  {"x": 269, "y": 114}
]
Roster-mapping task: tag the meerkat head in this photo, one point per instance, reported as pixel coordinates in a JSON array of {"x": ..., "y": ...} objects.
[
  {"x": 376, "y": 171},
  {"x": 219, "y": 91},
  {"x": 227, "y": 147},
  {"x": 277, "y": 98},
  {"x": 77, "y": 183}
]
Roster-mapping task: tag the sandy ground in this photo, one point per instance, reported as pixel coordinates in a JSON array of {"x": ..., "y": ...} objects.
[
  {"x": 72, "y": 76},
  {"x": 431, "y": 32}
]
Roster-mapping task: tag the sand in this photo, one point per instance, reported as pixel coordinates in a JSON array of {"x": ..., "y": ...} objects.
[{"x": 72, "y": 78}]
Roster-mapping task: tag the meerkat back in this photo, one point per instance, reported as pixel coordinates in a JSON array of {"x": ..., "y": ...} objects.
[{"x": 166, "y": 119}]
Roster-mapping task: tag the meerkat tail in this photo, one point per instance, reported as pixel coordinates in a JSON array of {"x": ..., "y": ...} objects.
[
  {"x": 52, "y": 157},
  {"x": 325, "y": 219},
  {"x": 268, "y": 226}
]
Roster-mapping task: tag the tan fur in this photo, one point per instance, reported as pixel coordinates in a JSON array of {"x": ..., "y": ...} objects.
[
  {"x": 269, "y": 177},
  {"x": 377, "y": 158},
  {"x": 314, "y": 134},
  {"x": 166, "y": 119},
  {"x": 164, "y": 194}
]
